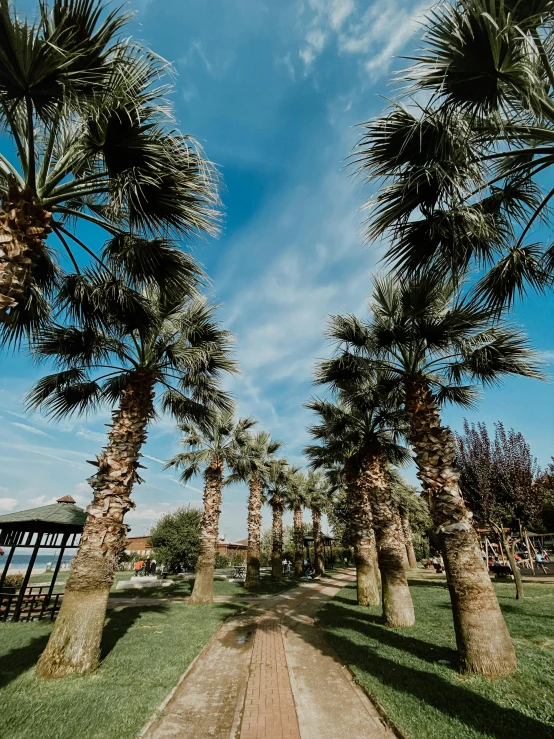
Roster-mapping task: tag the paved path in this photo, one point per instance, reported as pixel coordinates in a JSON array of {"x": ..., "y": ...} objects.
[{"x": 268, "y": 673}]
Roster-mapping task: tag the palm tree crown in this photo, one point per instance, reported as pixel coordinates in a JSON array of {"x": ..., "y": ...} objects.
[{"x": 95, "y": 141}]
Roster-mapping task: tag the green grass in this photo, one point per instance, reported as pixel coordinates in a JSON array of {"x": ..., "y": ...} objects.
[
  {"x": 412, "y": 672},
  {"x": 180, "y": 588},
  {"x": 145, "y": 650}
]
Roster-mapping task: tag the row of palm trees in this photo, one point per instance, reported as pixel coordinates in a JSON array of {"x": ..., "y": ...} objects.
[{"x": 458, "y": 190}]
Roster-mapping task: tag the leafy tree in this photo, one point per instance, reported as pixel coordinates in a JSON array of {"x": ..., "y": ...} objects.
[
  {"x": 428, "y": 342},
  {"x": 360, "y": 432},
  {"x": 122, "y": 348},
  {"x": 211, "y": 445},
  {"x": 252, "y": 466},
  {"x": 176, "y": 538},
  {"x": 95, "y": 142}
]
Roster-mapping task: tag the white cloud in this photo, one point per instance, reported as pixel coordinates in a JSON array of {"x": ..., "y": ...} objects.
[
  {"x": 154, "y": 459},
  {"x": 91, "y": 435},
  {"x": 7, "y": 504},
  {"x": 30, "y": 429},
  {"x": 43, "y": 500}
]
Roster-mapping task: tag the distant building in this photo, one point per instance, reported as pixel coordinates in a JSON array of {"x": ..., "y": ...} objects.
[
  {"x": 138, "y": 545},
  {"x": 230, "y": 549}
]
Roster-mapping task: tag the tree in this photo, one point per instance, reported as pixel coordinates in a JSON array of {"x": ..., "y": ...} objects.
[
  {"x": 318, "y": 500},
  {"x": 498, "y": 479},
  {"x": 278, "y": 478},
  {"x": 360, "y": 431},
  {"x": 252, "y": 466},
  {"x": 413, "y": 510},
  {"x": 122, "y": 348},
  {"x": 89, "y": 119},
  {"x": 428, "y": 342},
  {"x": 210, "y": 446},
  {"x": 176, "y": 538},
  {"x": 298, "y": 499}
]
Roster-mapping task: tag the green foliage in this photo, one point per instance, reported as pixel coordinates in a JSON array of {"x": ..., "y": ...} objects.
[
  {"x": 175, "y": 539},
  {"x": 221, "y": 561},
  {"x": 237, "y": 560},
  {"x": 14, "y": 581}
]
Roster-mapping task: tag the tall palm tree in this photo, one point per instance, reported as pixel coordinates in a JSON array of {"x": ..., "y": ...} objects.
[
  {"x": 277, "y": 497},
  {"x": 256, "y": 452},
  {"x": 298, "y": 499},
  {"x": 89, "y": 120},
  {"x": 410, "y": 505},
  {"x": 211, "y": 445},
  {"x": 428, "y": 342},
  {"x": 461, "y": 173},
  {"x": 360, "y": 431},
  {"x": 122, "y": 349},
  {"x": 319, "y": 495}
]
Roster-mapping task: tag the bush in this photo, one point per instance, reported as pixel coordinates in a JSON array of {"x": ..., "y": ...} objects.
[
  {"x": 14, "y": 581},
  {"x": 221, "y": 561},
  {"x": 237, "y": 560},
  {"x": 175, "y": 539}
]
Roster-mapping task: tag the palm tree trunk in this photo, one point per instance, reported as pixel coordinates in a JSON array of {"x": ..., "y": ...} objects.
[
  {"x": 398, "y": 608},
  {"x": 510, "y": 550},
  {"x": 483, "y": 640},
  {"x": 319, "y": 563},
  {"x": 298, "y": 536},
  {"x": 277, "y": 542},
  {"x": 74, "y": 645},
  {"x": 254, "y": 528},
  {"x": 400, "y": 528},
  {"x": 23, "y": 227},
  {"x": 362, "y": 537},
  {"x": 407, "y": 529},
  {"x": 203, "y": 590}
]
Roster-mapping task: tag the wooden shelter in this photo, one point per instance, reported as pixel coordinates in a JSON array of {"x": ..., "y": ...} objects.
[
  {"x": 327, "y": 542},
  {"x": 55, "y": 526}
]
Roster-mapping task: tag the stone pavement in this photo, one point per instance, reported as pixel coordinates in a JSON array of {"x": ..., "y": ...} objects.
[{"x": 268, "y": 673}]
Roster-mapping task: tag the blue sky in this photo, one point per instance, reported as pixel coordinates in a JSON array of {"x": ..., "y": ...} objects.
[{"x": 272, "y": 90}]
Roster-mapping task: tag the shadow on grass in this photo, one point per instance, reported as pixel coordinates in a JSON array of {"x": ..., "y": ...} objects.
[
  {"x": 453, "y": 700},
  {"x": 120, "y": 621},
  {"x": 18, "y": 661}
]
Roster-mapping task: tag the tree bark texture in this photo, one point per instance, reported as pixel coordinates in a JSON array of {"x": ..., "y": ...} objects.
[
  {"x": 319, "y": 563},
  {"x": 483, "y": 640},
  {"x": 277, "y": 541},
  {"x": 254, "y": 532},
  {"x": 400, "y": 528},
  {"x": 203, "y": 590},
  {"x": 362, "y": 537},
  {"x": 398, "y": 608},
  {"x": 298, "y": 537},
  {"x": 407, "y": 530},
  {"x": 74, "y": 645},
  {"x": 23, "y": 228}
]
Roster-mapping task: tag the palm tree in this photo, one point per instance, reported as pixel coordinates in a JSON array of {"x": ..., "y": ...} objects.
[
  {"x": 319, "y": 496},
  {"x": 461, "y": 174},
  {"x": 122, "y": 348},
  {"x": 298, "y": 499},
  {"x": 428, "y": 342},
  {"x": 277, "y": 497},
  {"x": 89, "y": 119},
  {"x": 210, "y": 446},
  {"x": 252, "y": 466},
  {"x": 360, "y": 431},
  {"x": 409, "y": 505}
]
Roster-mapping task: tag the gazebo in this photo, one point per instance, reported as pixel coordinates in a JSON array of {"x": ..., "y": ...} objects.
[
  {"x": 55, "y": 526},
  {"x": 327, "y": 542}
]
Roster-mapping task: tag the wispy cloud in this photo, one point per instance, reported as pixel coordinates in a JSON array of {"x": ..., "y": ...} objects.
[
  {"x": 30, "y": 429},
  {"x": 7, "y": 504},
  {"x": 91, "y": 435}
]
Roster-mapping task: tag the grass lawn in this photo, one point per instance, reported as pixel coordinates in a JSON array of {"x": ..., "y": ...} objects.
[
  {"x": 180, "y": 587},
  {"x": 145, "y": 650},
  {"x": 412, "y": 672}
]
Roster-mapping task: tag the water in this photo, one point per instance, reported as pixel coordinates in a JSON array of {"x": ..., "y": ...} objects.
[{"x": 21, "y": 561}]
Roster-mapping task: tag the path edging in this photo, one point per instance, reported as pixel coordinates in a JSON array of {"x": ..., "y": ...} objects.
[{"x": 378, "y": 706}]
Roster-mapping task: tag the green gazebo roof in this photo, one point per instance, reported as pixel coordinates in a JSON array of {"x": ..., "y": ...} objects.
[{"x": 56, "y": 514}]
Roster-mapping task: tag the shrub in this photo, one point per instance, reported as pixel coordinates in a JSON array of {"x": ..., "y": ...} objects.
[
  {"x": 14, "y": 581},
  {"x": 221, "y": 561},
  {"x": 175, "y": 539},
  {"x": 237, "y": 560}
]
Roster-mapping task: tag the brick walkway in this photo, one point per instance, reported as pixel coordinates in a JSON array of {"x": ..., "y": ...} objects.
[{"x": 269, "y": 711}]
